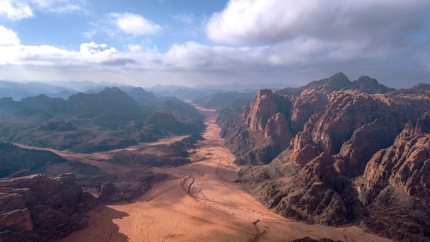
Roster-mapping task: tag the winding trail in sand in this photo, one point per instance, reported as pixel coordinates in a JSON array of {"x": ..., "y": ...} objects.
[{"x": 199, "y": 202}]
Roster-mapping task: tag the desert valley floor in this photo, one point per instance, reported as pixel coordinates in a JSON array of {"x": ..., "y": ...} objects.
[{"x": 199, "y": 202}]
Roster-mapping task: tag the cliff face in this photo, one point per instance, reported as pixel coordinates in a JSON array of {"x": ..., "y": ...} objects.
[
  {"x": 264, "y": 107},
  {"x": 261, "y": 132},
  {"x": 37, "y": 208},
  {"x": 341, "y": 147},
  {"x": 405, "y": 164}
]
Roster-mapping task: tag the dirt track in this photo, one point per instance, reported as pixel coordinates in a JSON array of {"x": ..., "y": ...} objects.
[{"x": 199, "y": 203}]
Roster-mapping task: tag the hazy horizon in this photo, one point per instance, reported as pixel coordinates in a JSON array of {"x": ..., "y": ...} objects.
[{"x": 144, "y": 43}]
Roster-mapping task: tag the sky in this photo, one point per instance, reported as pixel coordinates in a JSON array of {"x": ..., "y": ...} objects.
[{"x": 192, "y": 42}]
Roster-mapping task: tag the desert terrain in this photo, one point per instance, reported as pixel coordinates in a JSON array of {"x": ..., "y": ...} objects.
[{"x": 199, "y": 202}]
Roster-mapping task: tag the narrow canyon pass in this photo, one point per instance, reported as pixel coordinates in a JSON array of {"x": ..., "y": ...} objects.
[{"x": 200, "y": 202}]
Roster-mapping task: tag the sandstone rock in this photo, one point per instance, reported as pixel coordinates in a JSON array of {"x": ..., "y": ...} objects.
[
  {"x": 277, "y": 130},
  {"x": 337, "y": 126},
  {"x": 343, "y": 115},
  {"x": 41, "y": 208},
  {"x": 316, "y": 170},
  {"x": 368, "y": 85},
  {"x": 265, "y": 105},
  {"x": 303, "y": 149},
  {"x": 423, "y": 124},
  {"x": 364, "y": 142},
  {"x": 227, "y": 117},
  {"x": 310, "y": 102},
  {"x": 406, "y": 163}
]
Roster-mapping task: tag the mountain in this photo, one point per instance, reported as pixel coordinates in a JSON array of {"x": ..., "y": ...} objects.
[
  {"x": 335, "y": 152},
  {"x": 15, "y": 159},
  {"x": 88, "y": 122},
  {"x": 19, "y": 90},
  {"x": 221, "y": 100},
  {"x": 38, "y": 208},
  {"x": 141, "y": 96}
]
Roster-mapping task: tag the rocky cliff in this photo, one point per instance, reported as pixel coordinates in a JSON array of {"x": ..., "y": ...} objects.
[
  {"x": 340, "y": 154},
  {"x": 37, "y": 208}
]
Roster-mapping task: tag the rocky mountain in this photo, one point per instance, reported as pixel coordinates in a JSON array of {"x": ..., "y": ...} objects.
[
  {"x": 141, "y": 96},
  {"x": 20, "y": 90},
  {"x": 38, "y": 208},
  {"x": 222, "y": 100},
  {"x": 333, "y": 152},
  {"x": 88, "y": 122},
  {"x": 14, "y": 159}
]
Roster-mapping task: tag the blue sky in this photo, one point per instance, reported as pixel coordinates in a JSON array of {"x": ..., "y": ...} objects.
[{"x": 190, "y": 42}]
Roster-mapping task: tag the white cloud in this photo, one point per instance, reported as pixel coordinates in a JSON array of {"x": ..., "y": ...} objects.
[
  {"x": 366, "y": 22},
  {"x": 184, "y": 18},
  {"x": 89, "y": 34},
  {"x": 8, "y": 37},
  {"x": 96, "y": 49},
  {"x": 21, "y": 9},
  {"x": 15, "y": 10},
  {"x": 296, "y": 61},
  {"x": 135, "y": 24}
]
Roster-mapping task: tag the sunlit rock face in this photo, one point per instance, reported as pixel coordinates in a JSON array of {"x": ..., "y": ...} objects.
[
  {"x": 354, "y": 150},
  {"x": 265, "y": 105}
]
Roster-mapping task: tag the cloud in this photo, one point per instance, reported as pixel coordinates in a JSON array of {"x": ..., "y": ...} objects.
[
  {"x": 365, "y": 23},
  {"x": 294, "y": 63},
  {"x": 15, "y": 10},
  {"x": 135, "y": 24},
  {"x": 22, "y": 9},
  {"x": 363, "y": 37},
  {"x": 89, "y": 34},
  {"x": 96, "y": 49},
  {"x": 184, "y": 18},
  {"x": 8, "y": 37},
  {"x": 119, "y": 62}
]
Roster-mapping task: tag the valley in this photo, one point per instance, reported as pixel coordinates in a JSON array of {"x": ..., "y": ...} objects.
[
  {"x": 200, "y": 201},
  {"x": 335, "y": 160}
]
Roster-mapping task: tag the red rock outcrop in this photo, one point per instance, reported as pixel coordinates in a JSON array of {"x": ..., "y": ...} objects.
[
  {"x": 337, "y": 126},
  {"x": 365, "y": 142},
  {"x": 37, "y": 208},
  {"x": 406, "y": 164},
  {"x": 307, "y": 104},
  {"x": 345, "y": 112},
  {"x": 258, "y": 113},
  {"x": 277, "y": 130},
  {"x": 303, "y": 149}
]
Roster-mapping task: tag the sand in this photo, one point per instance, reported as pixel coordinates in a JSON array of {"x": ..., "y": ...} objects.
[{"x": 200, "y": 203}]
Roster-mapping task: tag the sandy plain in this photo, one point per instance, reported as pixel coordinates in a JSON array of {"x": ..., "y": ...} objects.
[{"x": 199, "y": 202}]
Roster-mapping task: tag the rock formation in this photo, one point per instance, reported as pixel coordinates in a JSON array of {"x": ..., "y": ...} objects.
[
  {"x": 14, "y": 159},
  {"x": 405, "y": 164},
  {"x": 341, "y": 154},
  {"x": 37, "y": 208},
  {"x": 96, "y": 121}
]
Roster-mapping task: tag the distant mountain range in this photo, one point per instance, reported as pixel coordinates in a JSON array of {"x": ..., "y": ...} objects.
[{"x": 63, "y": 89}]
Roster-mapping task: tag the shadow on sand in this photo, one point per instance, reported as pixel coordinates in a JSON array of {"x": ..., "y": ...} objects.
[{"x": 101, "y": 227}]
